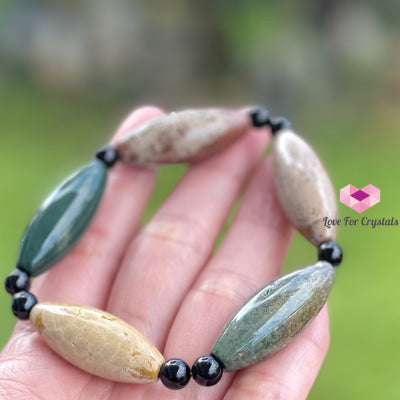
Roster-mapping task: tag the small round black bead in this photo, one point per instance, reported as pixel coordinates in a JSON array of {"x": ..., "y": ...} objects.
[
  {"x": 279, "y": 124},
  {"x": 22, "y": 304},
  {"x": 331, "y": 252},
  {"x": 207, "y": 371},
  {"x": 175, "y": 374},
  {"x": 16, "y": 281},
  {"x": 259, "y": 116},
  {"x": 108, "y": 155}
]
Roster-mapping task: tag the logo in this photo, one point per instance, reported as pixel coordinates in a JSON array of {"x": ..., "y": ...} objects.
[{"x": 360, "y": 199}]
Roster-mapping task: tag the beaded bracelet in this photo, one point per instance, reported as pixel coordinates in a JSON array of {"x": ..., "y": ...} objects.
[{"x": 103, "y": 345}]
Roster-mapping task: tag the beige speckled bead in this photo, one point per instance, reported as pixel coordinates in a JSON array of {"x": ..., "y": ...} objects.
[
  {"x": 304, "y": 189},
  {"x": 184, "y": 136},
  {"x": 97, "y": 342}
]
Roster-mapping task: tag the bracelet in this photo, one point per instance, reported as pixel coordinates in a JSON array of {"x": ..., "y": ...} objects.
[{"x": 104, "y": 345}]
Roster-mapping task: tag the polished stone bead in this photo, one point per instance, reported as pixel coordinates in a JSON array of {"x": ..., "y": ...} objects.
[
  {"x": 184, "y": 136},
  {"x": 62, "y": 219},
  {"x": 274, "y": 316},
  {"x": 331, "y": 252},
  {"x": 175, "y": 374},
  {"x": 97, "y": 342},
  {"x": 207, "y": 371},
  {"x": 17, "y": 281},
  {"x": 303, "y": 187},
  {"x": 22, "y": 304}
]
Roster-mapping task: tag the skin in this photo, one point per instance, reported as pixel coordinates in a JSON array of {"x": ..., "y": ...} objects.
[{"x": 166, "y": 281}]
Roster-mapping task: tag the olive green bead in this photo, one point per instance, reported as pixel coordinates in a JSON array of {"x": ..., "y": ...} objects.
[
  {"x": 274, "y": 316},
  {"x": 62, "y": 219}
]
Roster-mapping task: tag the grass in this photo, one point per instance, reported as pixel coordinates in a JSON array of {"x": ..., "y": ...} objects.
[{"x": 44, "y": 138}]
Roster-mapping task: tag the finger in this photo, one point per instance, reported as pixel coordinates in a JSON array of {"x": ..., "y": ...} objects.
[
  {"x": 250, "y": 255},
  {"x": 290, "y": 373},
  {"x": 86, "y": 273},
  {"x": 168, "y": 253}
]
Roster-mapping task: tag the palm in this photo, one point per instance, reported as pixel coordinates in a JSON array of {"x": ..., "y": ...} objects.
[{"x": 165, "y": 283}]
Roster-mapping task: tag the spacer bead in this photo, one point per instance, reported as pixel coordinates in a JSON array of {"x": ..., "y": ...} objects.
[
  {"x": 259, "y": 117},
  {"x": 108, "y": 155},
  {"x": 22, "y": 304},
  {"x": 17, "y": 281},
  {"x": 175, "y": 374},
  {"x": 207, "y": 370},
  {"x": 331, "y": 252},
  {"x": 279, "y": 124}
]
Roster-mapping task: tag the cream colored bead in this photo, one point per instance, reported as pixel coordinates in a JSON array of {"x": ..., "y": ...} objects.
[
  {"x": 184, "y": 136},
  {"x": 303, "y": 187},
  {"x": 97, "y": 342}
]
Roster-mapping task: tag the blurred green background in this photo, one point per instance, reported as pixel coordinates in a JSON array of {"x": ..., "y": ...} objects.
[{"x": 70, "y": 71}]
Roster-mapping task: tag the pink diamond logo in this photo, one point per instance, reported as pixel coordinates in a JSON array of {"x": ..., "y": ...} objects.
[{"x": 360, "y": 199}]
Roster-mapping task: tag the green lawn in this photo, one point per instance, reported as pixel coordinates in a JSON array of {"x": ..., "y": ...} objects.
[{"x": 44, "y": 138}]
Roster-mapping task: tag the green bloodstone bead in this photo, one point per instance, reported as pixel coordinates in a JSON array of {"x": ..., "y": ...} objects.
[
  {"x": 62, "y": 219},
  {"x": 274, "y": 316}
]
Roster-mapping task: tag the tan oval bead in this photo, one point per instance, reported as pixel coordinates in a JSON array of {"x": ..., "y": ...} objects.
[
  {"x": 304, "y": 189},
  {"x": 97, "y": 342},
  {"x": 184, "y": 136}
]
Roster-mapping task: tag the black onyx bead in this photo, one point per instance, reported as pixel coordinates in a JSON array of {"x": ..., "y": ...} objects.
[
  {"x": 22, "y": 304},
  {"x": 331, "y": 252},
  {"x": 175, "y": 374},
  {"x": 279, "y": 124},
  {"x": 108, "y": 155},
  {"x": 16, "y": 281},
  {"x": 207, "y": 371},
  {"x": 259, "y": 116}
]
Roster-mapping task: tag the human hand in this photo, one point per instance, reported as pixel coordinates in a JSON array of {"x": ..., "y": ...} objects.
[{"x": 166, "y": 282}]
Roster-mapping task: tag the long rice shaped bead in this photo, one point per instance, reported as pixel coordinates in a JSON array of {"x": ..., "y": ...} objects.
[
  {"x": 62, "y": 219},
  {"x": 303, "y": 187},
  {"x": 97, "y": 342},
  {"x": 274, "y": 316},
  {"x": 184, "y": 136}
]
